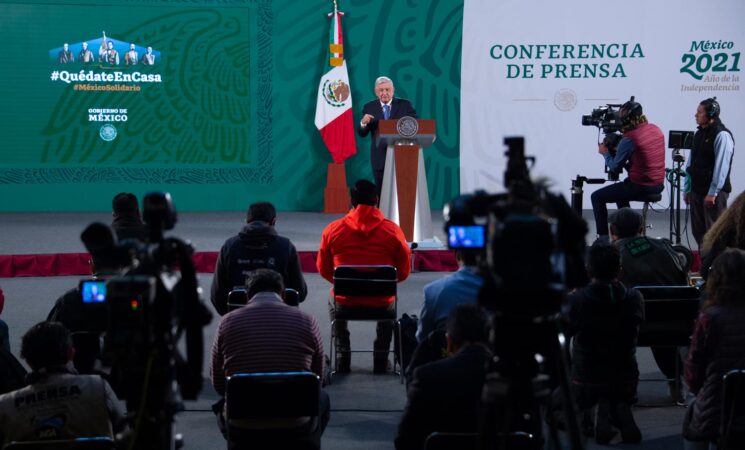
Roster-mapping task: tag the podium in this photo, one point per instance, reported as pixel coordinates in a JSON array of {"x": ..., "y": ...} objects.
[{"x": 404, "y": 198}]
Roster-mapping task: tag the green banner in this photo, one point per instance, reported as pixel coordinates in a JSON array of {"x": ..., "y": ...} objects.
[{"x": 212, "y": 101}]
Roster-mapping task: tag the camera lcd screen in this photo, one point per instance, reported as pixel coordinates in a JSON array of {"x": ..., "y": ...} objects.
[
  {"x": 93, "y": 291},
  {"x": 466, "y": 236}
]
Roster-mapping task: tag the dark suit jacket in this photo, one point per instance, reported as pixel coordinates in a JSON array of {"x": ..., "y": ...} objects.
[
  {"x": 400, "y": 107},
  {"x": 444, "y": 396}
]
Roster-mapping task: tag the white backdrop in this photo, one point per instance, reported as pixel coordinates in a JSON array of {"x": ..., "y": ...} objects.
[{"x": 547, "y": 108}]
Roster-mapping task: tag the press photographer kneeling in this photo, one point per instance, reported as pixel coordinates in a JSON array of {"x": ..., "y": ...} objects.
[{"x": 642, "y": 152}]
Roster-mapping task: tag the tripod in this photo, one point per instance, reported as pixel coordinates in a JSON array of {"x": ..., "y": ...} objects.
[
  {"x": 530, "y": 360},
  {"x": 673, "y": 177},
  {"x": 578, "y": 192}
]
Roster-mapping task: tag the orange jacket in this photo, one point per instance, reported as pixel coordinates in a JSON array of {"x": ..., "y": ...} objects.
[{"x": 363, "y": 237}]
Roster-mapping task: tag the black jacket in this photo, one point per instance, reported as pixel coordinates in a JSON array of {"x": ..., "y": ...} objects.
[
  {"x": 444, "y": 396},
  {"x": 257, "y": 246},
  {"x": 604, "y": 320},
  {"x": 130, "y": 227},
  {"x": 400, "y": 107},
  {"x": 701, "y": 167},
  {"x": 648, "y": 261}
]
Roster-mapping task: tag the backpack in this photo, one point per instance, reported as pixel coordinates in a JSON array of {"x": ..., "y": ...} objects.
[{"x": 405, "y": 345}]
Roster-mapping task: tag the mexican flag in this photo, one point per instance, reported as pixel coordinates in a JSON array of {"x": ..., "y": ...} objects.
[{"x": 334, "y": 104}]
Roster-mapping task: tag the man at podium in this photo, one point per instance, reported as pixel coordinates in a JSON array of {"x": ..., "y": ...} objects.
[{"x": 385, "y": 107}]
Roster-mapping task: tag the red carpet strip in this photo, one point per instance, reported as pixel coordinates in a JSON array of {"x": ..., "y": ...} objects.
[{"x": 66, "y": 264}]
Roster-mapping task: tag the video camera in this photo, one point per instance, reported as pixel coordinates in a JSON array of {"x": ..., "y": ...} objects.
[
  {"x": 533, "y": 245},
  {"x": 146, "y": 316},
  {"x": 516, "y": 229},
  {"x": 607, "y": 119}
]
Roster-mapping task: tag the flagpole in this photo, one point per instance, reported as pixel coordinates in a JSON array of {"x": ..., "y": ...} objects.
[{"x": 336, "y": 197}]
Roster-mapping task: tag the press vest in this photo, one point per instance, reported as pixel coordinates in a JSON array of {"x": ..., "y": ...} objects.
[
  {"x": 701, "y": 169},
  {"x": 647, "y": 162}
]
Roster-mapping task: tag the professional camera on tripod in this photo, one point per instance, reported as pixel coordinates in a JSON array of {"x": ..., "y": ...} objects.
[
  {"x": 608, "y": 121},
  {"x": 534, "y": 251},
  {"x": 144, "y": 316}
]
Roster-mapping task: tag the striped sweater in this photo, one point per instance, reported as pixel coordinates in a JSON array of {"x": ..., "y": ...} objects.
[{"x": 265, "y": 336}]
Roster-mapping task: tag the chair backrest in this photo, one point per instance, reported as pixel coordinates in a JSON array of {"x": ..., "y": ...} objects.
[
  {"x": 670, "y": 312},
  {"x": 88, "y": 443},
  {"x": 733, "y": 411},
  {"x": 470, "y": 441},
  {"x": 447, "y": 441},
  {"x": 274, "y": 395},
  {"x": 238, "y": 297},
  {"x": 365, "y": 281}
]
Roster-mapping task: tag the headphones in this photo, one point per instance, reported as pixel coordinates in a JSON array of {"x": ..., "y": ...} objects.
[
  {"x": 633, "y": 110},
  {"x": 711, "y": 106}
]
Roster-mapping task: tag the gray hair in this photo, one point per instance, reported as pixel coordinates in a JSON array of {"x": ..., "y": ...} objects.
[{"x": 381, "y": 80}]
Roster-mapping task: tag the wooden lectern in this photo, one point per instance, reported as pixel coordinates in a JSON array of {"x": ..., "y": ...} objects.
[{"x": 404, "y": 198}]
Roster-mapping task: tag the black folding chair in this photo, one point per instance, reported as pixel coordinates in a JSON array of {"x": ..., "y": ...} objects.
[
  {"x": 670, "y": 313},
  {"x": 364, "y": 281},
  {"x": 732, "y": 434},
  {"x": 83, "y": 443},
  {"x": 273, "y": 410},
  {"x": 238, "y": 297}
]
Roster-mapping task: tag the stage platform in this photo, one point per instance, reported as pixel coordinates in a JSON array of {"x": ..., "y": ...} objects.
[{"x": 48, "y": 244}]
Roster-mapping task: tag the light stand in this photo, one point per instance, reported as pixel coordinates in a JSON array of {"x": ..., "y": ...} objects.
[{"x": 673, "y": 177}]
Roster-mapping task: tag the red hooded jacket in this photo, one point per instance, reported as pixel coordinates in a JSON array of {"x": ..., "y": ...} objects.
[{"x": 363, "y": 237}]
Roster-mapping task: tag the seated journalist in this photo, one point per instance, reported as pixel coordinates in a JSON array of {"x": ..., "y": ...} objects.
[
  {"x": 58, "y": 403},
  {"x": 445, "y": 395},
  {"x": 266, "y": 335}
]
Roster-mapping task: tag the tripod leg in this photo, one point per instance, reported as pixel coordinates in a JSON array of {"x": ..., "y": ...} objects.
[
  {"x": 671, "y": 179},
  {"x": 570, "y": 406},
  {"x": 553, "y": 435},
  {"x": 677, "y": 207}
]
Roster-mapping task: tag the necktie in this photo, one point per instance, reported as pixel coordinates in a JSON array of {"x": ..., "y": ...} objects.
[{"x": 386, "y": 111}]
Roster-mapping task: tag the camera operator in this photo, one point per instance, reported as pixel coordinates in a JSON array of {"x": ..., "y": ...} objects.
[
  {"x": 127, "y": 222},
  {"x": 642, "y": 152},
  {"x": 70, "y": 311},
  {"x": 707, "y": 185},
  {"x": 57, "y": 403}
]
